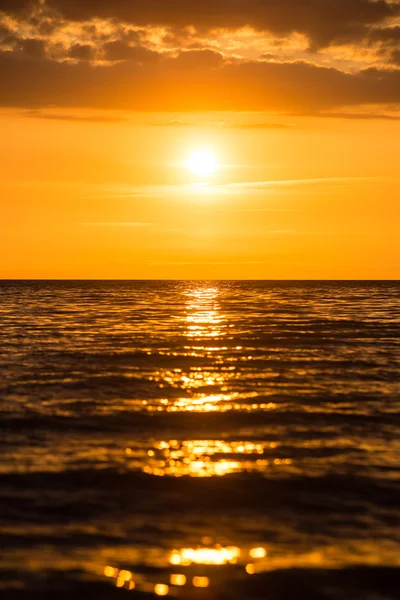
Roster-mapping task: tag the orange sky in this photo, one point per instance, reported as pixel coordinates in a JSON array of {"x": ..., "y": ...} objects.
[{"x": 100, "y": 116}]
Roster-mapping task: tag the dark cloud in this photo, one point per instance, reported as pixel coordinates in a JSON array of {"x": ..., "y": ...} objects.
[
  {"x": 180, "y": 84},
  {"x": 37, "y": 114},
  {"x": 323, "y": 21},
  {"x": 36, "y": 72},
  {"x": 359, "y": 116},
  {"x": 7, "y": 37},
  {"x": 385, "y": 41},
  {"x": 34, "y": 47},
  {"x": 46, "y": 27},
  {"x": 395, "y": 57},
  {"x": 81, "y": 52},
  {"x": 193, "y": 59},
  {"x": 119, "y": 50},
  {"x": 385, "y": 34},
  {"x": 12, "y": 6},
  {"x": 31, "y": 46},
  {"x": 268, "y": 56}
]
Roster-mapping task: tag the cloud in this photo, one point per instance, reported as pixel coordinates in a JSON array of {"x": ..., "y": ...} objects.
[
  {"x": 239, "y": 188},
  {"x": 81, "y": 52},
  {"x": 173, "y": 84},
  {"x": 395, "y": 57},
  {"x": 222, "y": 124},
  {"x": 136, "y": 224},
  {"x": 323, "y": 21},
  {"x": 385, "y": 42},
  {"x": 268, "y": 56},
  {"x": 385, "y": 34},
  {"x": 194, "y": 59},
  {"x": 255, "y": 186},
  {"x": 180, "y": 55},
  {"x": 359, "y": 116},
  {"x": 260, "y": 125},
  {"x": 7, "y": 37},
  {"x": 33, "y": 47},
  {"x": 215, "y": 262},
  {"x": 174, "y": 123},
  {"x": 13, "y": 6},
  {"x": 120, "y": 50},
  {"x": 37, "y": 114}
]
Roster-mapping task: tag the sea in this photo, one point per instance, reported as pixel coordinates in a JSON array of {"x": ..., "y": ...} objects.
[{"x": 200, "y": 439}]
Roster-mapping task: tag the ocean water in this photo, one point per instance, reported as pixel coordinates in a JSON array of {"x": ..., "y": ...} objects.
[{"x": 200, "y": 439}]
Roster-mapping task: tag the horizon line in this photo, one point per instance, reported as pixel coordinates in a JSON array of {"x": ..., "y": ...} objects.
[{"x": 3, "y": 279}]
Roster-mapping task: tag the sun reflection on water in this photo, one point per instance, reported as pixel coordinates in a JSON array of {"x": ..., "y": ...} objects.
[
  {"x": 207, "y": 387},
  {"x": 205, "y": 458},
  {"x": 203, "y": 317},
  {"x": 205, "y": 556},
  {"x": 198, "y": 566}
]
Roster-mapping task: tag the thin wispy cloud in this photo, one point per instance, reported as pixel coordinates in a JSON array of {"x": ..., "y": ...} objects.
[
  {"x": 174, "y": 123},
  {"x": 215, "y": 263},
  {"x": 233, "y": 188},
  {"x": 137, "y": 224},
  {"x": 360, "y": 116},
  {"x": 254, "y": 185},
  {"x": 37, "y": 114},
  {"x": 260, "y": 125},
  {"x": 224, "y": 125}
]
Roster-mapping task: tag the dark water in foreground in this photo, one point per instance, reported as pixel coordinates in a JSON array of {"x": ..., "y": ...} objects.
[{"x": 242, "y": 438}]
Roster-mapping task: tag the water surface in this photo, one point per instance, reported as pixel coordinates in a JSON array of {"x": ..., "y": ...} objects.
[{"x": 231, "y": 436}]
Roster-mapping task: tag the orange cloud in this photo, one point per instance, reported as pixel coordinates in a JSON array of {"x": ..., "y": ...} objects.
[{"x": 194, "y": 80}]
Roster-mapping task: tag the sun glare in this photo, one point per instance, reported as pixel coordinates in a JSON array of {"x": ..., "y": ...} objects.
[{"x": 202, "y": 162}]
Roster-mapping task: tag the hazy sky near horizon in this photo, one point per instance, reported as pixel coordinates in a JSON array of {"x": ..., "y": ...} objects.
[{"x": 103, "y": 103}]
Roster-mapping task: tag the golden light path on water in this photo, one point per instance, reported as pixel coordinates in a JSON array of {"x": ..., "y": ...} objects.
[
  {"x": 207, "y": 566},
  {"x": 204, "y": 327},
  {"x": 205, "y": 558},
  {"x": 204, "y": 458}
]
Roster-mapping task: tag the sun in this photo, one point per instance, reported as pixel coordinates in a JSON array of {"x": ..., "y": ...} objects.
[{"x": 202, "y": 162}]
